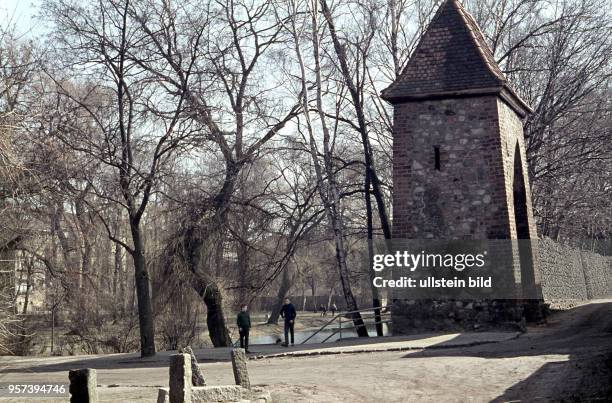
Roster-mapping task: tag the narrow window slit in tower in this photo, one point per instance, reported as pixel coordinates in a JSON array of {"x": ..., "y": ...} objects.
[{"x": 437, "y": 158}]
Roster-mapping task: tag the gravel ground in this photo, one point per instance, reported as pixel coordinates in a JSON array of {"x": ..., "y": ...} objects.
[{"x": 569, "y": 359}]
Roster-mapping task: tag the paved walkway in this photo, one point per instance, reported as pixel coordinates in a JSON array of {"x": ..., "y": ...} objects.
[{"x": 375, "y": 344}]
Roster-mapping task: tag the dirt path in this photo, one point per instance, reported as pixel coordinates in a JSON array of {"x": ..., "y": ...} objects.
[{"x": 569, "y": 359}]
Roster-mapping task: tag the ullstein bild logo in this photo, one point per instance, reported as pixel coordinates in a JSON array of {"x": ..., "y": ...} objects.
[{"x": 432, "y": 282}]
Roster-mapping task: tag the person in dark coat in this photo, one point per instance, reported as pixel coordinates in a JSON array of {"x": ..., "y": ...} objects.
[
  {"x": 323, "y": 310},
  {"x": 244, "y": 325},
  {"x": 288, "y": 313},
  {"x": 333, "y": 308}
]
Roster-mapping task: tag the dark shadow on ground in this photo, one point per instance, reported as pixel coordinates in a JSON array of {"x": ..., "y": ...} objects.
[{"x": 583, "y": 333}]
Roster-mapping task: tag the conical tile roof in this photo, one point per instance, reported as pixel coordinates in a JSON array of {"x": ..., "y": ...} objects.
[{"x": 452, "y": 58}]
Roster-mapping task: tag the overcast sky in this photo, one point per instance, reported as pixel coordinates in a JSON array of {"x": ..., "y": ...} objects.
[{"x": 20, "y": 13}]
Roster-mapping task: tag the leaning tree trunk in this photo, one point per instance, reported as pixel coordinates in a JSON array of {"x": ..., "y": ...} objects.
[
  {"x": 349, "y": 297},
  {"x": 207, "y": 289},
  {"x": 283, "y": 290},
  {"x": 210, "y": 293},
  {"x": 326, "y": 183},
  {"x": 371, "y": 178}
]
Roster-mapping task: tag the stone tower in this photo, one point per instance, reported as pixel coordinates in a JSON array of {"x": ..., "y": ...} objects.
[
  {"x": 459, "y": 167},
  {"x": 458, "y": 146}
]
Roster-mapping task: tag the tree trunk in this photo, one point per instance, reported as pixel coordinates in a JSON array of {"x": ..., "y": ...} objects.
[
  {"x": 219, "y": 264},
  {"x": 26, "y": 299},
  {"x": 69, "y": 265},
  {"x": 118, "y": 283},
  {"x": 361, "y": 120},
  {"x": 117, "y": 273},
  {"x": 119, "y": 286},
  {"x": 143, "y": 294},
  {"x": 283, "y": 290},
  {"x": 370, "y": 229},
  {"x": 313, "y": 291},
  {"x": 329, "y": 299},
  {"x": 215, "y": 319},
  {"x": 204, "y": 285},
  {"x": 242, "y": 254},
  {"x": 85, "y": 232},
  {"x": 209, "y": 291},
  {"x": 326, "y": 183},
  {"x": 351, "y": 302}
]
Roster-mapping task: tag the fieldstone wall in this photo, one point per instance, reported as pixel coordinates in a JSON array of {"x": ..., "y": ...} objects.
[
  {"x": 571, "y": 275},
  {"x": 470, "y": 194},
  {"x": 458, "y": 164},
  {"x": 465, "y": 197},
  {"x": 417, "y": 316}
]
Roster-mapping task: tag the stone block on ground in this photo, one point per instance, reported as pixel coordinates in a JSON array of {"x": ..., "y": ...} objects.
[
  {"x": 260, "y": 395},
  {"x": 197, "y": 377},
  {"x": 83, "y": 384},
  {"x": 239, "y": 365},
  {"x": 180, "y": 378},
  {"x": 220, "y": 393}
]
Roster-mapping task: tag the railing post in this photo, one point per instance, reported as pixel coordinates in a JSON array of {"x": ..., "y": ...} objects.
[{"x": 339, "y": 329}]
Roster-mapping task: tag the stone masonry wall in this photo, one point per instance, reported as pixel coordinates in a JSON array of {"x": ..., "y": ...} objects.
[
  {"x": 470, "y": 194},
  {"x": 466, "y": 198},
  {"x": 597, "y": 274},
  {"x": 570, "y": 275}
]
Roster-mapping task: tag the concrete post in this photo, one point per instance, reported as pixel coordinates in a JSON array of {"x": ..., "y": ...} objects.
[
  {"x": 83, "y": 383},
  {"x": 239, "y": 365},
  {"x": 197, "y": 377},
  {"x": 180, "y": 378}
]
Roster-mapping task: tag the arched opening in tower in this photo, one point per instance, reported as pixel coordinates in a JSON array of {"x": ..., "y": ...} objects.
[
  {"x": 520, "y": 197},
  {"x": 522, "y": 226}
]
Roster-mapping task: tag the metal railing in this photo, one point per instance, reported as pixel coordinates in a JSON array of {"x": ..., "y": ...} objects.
[{"x": 339, "y": 316}]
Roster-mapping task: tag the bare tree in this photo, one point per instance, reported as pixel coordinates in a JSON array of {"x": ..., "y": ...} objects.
[
  {"x": 327, "y": 185},
  {"x": 558, "y": 55},
  {"x": 120, "y": 102},
  {"x": 227, "y": 102}
]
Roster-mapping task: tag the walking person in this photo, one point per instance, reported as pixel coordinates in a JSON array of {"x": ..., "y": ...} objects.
[
  {"x": 333, "y": 309},
  {"x": 288, "y": 313},
  {"x": 244, "y": 325},
  {"x": 323, "y": 310}
]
